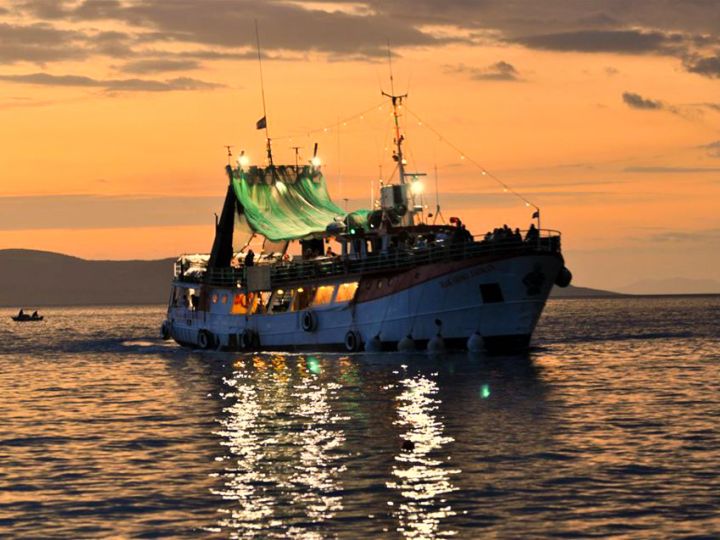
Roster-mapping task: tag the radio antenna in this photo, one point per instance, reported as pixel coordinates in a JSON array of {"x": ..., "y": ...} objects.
[{"x": 263, "y": 123}]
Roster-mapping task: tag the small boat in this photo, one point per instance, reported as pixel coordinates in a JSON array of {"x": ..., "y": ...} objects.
[{"x": 24, "y": 317}]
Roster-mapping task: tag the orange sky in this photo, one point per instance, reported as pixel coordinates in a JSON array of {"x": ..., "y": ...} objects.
[{"x": 113, "y": 120}]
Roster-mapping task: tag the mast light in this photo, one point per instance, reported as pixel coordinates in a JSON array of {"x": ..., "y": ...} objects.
[
  {"x": 316, "y": 162},
  {"x": 243, "y": 160}
]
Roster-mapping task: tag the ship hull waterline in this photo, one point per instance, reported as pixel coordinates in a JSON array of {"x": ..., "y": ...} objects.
[{"x": 498, "y": 302}]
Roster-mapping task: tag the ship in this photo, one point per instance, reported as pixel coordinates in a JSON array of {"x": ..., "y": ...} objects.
[{"x": 397, "y": 282}]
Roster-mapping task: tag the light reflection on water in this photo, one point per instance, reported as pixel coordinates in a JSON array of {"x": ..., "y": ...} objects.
[
  {"x": 421, "y": 476},
  {"x": 284, "y": 446},
  {"x": 608, "y": 428}
]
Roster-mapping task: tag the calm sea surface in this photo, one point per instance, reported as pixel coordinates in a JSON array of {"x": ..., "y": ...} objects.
[{"x": 609, "y": 427}]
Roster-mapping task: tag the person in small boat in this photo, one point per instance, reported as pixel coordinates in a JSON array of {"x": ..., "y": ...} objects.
[
  {"x": 250, "y": 258},
  {"x": 34, "y": 315},
  {"x": 330, "y": 252},
  {"x": 21, "y": 313}
]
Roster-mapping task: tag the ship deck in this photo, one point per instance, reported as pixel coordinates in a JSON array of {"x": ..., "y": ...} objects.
[{"x": 327, "y": 268}]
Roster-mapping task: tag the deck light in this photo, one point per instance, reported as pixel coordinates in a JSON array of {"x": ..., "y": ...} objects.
[
  {"x": 243, "y": 160},
  {"x": 417, "y": 187}
]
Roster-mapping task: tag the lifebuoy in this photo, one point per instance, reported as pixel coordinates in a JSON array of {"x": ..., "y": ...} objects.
[
  {"x": 205, "y": 339},
  {"x": 165, "y": 331},
  {"x": 564, "y": 277},
  {"x": 352, "y": 341},
  {"x": 309, "y": 321}
]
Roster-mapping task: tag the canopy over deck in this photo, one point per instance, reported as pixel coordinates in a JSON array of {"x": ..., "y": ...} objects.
[
  {"x": 284, "y": 203},
  {"x": 280, "y": 203}
]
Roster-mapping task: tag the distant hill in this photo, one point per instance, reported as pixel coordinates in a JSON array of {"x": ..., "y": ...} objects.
[
  {"x": 34, "y": 279},
  {"x": 675, "y": 285},
  {"x": 581, "y": 292}
]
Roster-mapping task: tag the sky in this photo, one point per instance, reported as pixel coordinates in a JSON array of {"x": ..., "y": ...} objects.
[{"x": 114, "y": 116}]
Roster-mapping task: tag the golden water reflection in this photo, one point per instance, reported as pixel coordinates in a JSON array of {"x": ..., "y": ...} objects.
[
  {"x": 422, "y": 476},
  {"x": 284, "y": 449}
]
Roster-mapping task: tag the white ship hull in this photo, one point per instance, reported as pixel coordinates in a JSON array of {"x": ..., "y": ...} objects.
[{"x": 498, "y": 300}]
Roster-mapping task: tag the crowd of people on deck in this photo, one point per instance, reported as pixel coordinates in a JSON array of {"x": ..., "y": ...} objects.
[
  {"x": 505, "y": 234},
  {"x": 458, "y": 234}
]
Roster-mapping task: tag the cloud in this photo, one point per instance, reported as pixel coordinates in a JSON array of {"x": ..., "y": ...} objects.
[
  {"x": 636, "y": 101},
  {"x": 158, "y": 65},
  {"x": 609, "y": 41},
  {"x": 671, "y": 170},
  {"x": 708, "y": 66},
  {"x": 120, "y": 85},
  {"x": 499, "y": 71},
  {"x": 713, "y": 149},
  {"x": 283, "y": 25},
  {"x": 358, "y": 31},
  {"x": 38, "y": 43},
  {"x": 98, "y": 212},
  {"x": 684, "y": 236}
]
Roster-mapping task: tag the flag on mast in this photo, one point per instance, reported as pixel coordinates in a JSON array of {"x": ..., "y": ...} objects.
[
  {"x": 261, "y": 124},
  {"x": 536, "y": 214}
]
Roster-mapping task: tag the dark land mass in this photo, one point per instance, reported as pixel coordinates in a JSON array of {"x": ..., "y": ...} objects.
[{"x": 32, "y": 279}]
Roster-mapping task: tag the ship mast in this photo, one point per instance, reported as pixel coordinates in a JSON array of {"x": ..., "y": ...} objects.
[{"x": 396, "y": 100}]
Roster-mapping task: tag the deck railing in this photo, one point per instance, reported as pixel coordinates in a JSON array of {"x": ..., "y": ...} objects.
[{"x": 548, "y": 241}]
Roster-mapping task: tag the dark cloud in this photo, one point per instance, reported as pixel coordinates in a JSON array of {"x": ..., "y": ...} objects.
[
  {"x": 609, "y": 41},
  {"x": 120, "y": 85},
  {"x": 499, "y": 71},
  {"x": 351, "y": 30},
  {"x": 708, "y": 66},
  {"x": 636, "y": 101},
  {"x": 283, "y": 25},
  {"x": 159, "y": 65},
  {"x": 38, "y": 43},
  {"x": 671, "y": 170}
]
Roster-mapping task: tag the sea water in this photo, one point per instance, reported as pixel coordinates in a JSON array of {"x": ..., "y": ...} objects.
[{"x": 609, "y": 426}]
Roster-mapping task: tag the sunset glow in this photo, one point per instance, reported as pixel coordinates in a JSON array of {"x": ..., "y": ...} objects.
[{"x": 115, "y": 116}]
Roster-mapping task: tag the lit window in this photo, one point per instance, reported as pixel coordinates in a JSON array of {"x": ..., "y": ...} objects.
[
  {"x": 323, "y": 295},
  {"x": 214, "y": 298},
  {"x": 282, "y": 301},
  {"x": 223, "y": 298},
  {"x": 243, "y": 304},
  {"x": 346, "y": 292},
  {"x": 303, "y": 298}
]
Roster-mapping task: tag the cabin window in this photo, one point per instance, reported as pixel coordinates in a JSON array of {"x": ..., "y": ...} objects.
[
  {"x": 224, "y": 298},
  {"x": 323, "y": 295},
  {"x": 214, "y": 298},
  {"x": 303, "y": 298},
  {"x": 491, "y": 293},
  {"x": 244, "y": 303},
  {"x": 346, "y": 292},
  {"x": 281, "y": 301}
]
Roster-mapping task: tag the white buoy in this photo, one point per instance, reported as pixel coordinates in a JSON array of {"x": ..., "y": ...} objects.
[
  {"x": 374, "y": 344},
  {"x": 406, "y": 344},
  {"x": 475, "y": 343},
  {"x": 436, "y": 344}
]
